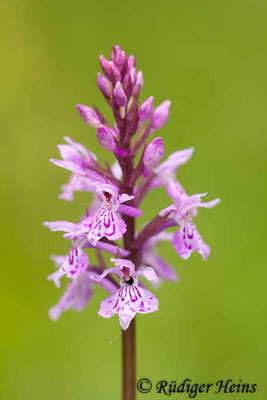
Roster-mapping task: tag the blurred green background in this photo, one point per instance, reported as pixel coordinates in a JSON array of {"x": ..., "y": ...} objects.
[{"x": 208, "y": 58}]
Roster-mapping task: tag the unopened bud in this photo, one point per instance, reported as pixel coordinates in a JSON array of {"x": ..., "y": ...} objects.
[
  {"x": 89, "y": 116},
  {"x": 146, "y": 109},
  {"x": 119, "y": 95},
  {"x": 106, "y": 139},
  {"x": 105, "y": 65},
  {"x": 104, "y": 85},
  {"x": 115, "y": 74},
  {"x": 133, "y": 76},
  {"x": 161, "y": 114},
  {"x": 153, "y": 154},
  {"x": 118, "y": 56},
  {"x": 130, "y": 63},
  {"x": 139, "y": 83}
]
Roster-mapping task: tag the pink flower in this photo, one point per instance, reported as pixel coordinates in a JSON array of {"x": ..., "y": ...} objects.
[
  {"x": 77, "y": 233},
  {"x": 76, "y": 184},
  {"x": 107, "y": 222},
  {"x": 166, "y": 171},
  {"x": 108, "y": 218},
  {"x": 78, "y": 293},
  {"x": 71, "y": 265},
  {"x": 187, "y": 239},
  {"x": 75, "y": 157},
  {"x": 150, "y": 256},
  {"x": 131, "y": 298}
]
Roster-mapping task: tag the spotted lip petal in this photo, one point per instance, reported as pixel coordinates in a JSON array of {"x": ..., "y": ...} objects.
[
  {"x": 73, "y": 265},
  {"x": 187, "y": 239},
  {"x": 106, "y": 223},
  {"x": 132, "y": 297},
  {"x": 128, "y": 301}
]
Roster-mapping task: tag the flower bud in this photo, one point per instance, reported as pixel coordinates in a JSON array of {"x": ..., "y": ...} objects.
[
  {"x": 139, "y": 83},
  {"x": 126, "y": 82},
  {"x": 133, "y": 76},
  {"x": 127, "y": 85},
  {"x": 146, "y": 109},
  {"x": 118, "y": 56},
  {"x": 105, "y": 65},
  {"x": 89, "y": 116},
  {"x": 104, "y": 85},
  {"x": 153, "y": 154},
  {"x": 106, "y": 139},
  {"x": 130, "y": 63},
  {"x": 119, "y": 95},
  {"x": 161, "y": 114},
  {"x": 115, "y": 74}
]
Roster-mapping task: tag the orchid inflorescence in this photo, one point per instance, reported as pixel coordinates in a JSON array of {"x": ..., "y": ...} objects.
[{"x": 109, "y": 218}]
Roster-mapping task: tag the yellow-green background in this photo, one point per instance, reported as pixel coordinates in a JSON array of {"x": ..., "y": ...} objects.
[{"x": 209, "y": 59}]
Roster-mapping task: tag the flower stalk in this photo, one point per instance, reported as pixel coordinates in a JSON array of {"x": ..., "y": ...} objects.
[
  {"x": 128, "y": 336},
  {"x": 129, "y": 362}
]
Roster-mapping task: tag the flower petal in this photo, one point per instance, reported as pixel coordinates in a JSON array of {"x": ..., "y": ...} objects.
[
  {"x": 149, "y": 273},
  {"x": 76, "y": 296},
  {"x": 188, "y": 239},
  {"x": 106, "y": 223},
  {"x": 127, "y": 302},
  {"x": 69, "y": 165},
  {"x": 64, "y": 226}
]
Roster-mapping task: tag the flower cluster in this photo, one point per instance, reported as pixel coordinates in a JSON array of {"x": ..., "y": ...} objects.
[{"x": 109, "y": 219}]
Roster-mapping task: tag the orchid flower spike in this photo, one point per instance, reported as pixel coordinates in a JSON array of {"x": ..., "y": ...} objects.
[{"x": 117, "y": 191}]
